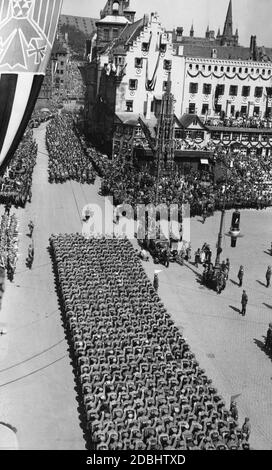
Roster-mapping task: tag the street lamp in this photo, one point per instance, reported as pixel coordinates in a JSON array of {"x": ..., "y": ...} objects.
[{"x": 234, "y": 231}]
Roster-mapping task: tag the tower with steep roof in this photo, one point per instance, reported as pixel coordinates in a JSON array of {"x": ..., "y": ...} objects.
[
  {"x": 228, "y": 38},
  {"x": 228, "y": 27},
  {"x": 115, "y": 16}
]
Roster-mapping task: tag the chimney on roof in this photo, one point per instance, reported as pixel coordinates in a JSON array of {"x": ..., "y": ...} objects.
[
  {"x": 179, "y": 33},
  {"x": 218, "y": 33},
  {"x": 214, "y": 54},
  {"x": 253, "y": 48}
]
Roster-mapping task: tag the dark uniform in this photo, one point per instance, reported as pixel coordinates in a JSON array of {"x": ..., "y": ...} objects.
[
  {"x": 156, "y": 282},
  {"x": 30, "y": 257},
  {"x": 228, "y": 267},
  {"x": 246, "y": 428},
  {"x": 31, "y": 228},
  {"x": 268, "y": 341},
  {"x": 234, "y": 410},
  {"x": 244, "y": 302},
  {"x": 241, "y": 276},
  {"x": 197, "y": 257},
  {"x": 268, "y": 276}
]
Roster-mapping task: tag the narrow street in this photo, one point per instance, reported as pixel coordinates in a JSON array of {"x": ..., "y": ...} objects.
[{"x": 37, "y": 387}]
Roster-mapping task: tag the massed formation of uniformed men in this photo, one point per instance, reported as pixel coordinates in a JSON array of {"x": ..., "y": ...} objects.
[{"x": 142, "y": 387}]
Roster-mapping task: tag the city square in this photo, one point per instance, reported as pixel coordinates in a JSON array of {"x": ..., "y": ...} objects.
[{"x": 110, "y": 343}]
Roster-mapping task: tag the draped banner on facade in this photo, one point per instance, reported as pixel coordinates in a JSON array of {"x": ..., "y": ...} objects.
[
  {"x": 27, "y": 34},
  {"x": 229, "y": 77}
]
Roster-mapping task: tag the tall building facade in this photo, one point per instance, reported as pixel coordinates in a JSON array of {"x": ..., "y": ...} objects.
[{"x": 215, "y": 82}]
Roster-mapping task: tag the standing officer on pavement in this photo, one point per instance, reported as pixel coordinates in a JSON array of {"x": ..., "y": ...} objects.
[
  {"x": 244, "y": 302},
  {"x": 241, "y": 275},
  {"x": 268, "y": 340},
  {"x": 268, "y": 276},
  {"x": 228, "y": 266},
  {"x": 156, "y": 282}
]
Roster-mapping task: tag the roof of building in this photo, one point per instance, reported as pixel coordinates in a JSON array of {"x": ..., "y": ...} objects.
[
  {"x": 60, "y": 46},
  {"x": 129, "y": 119},
  {"x": 114, "y": 20},
  {"x": 223, "y": 52},
  {"x": 84, "y": 24},
  {"x": 127, "y": 36},
  {"x": 187, "y": 119}
]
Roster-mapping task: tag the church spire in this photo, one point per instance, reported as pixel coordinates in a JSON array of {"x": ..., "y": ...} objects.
[
  {"x": 192, "y": 32},
  {"x": 228, "y": 28}
]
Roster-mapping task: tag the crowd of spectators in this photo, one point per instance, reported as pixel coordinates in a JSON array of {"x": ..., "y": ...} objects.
[
  {"x": 245, "y": 182},
  {"x": 67, "y": 159},
  {"x": 254, "y": 122},
  {"x": 9, "y": 243},
  {"x": 142, "y": 387},
  {"x": 16, "y": 183},
  {"x": 191, "y": 144}
]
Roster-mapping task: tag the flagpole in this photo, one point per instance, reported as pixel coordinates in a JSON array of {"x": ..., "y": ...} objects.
[{"x": 222, "y": 220}]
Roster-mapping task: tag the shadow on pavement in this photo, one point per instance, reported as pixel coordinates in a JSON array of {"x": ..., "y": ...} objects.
[
  {"x": 235, "y": 309},
  {"x": 261, "y": 346},
  {"x": 267, "y": 305},
  {"x": 189, "y": 266},
  {"x": 266, "y": 252},
  {"x": 261, "y": 283},
  {"x": 234, "y": 282}
]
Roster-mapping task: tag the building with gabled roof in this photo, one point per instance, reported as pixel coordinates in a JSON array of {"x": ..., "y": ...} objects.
[{"x": 214, "y": 82}]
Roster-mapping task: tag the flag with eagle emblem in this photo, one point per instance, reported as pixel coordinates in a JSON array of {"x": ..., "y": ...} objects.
[{"x": 27, "y": 34}]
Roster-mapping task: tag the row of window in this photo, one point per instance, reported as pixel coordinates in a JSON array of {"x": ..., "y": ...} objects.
[
  {"x": 205, "y": 110},
  {"x": 217, "y": 68},
  {"x": 133, "y": 85},
  {"x": 167, "y": 64},
  {"x": 145, "y": 47},
  {"x": 107, "y": 36},
  {"x": 233, "y": 90},
  {"x": 238, "y": 136}
]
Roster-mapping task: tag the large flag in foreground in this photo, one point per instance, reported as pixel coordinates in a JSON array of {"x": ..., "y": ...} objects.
[{"x": 27, "y": 34}]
